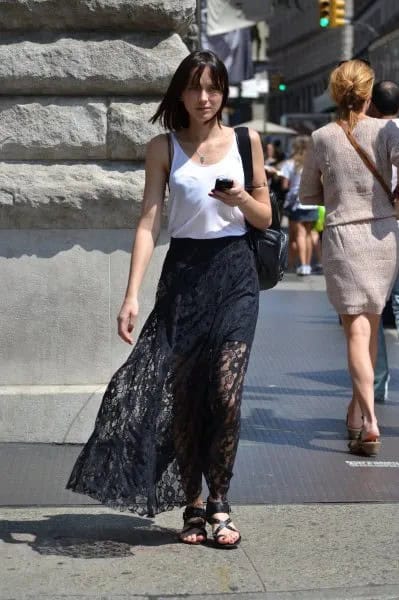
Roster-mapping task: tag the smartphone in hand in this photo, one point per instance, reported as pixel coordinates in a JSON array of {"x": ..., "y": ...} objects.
[{"x": 223, "y": 183}]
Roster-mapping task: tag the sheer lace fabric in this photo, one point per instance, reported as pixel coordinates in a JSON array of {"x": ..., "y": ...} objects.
[{"x": 171, "y": 413}]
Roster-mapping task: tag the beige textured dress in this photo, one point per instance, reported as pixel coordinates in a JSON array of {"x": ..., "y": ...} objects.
[{"x": 360, "y": 240}]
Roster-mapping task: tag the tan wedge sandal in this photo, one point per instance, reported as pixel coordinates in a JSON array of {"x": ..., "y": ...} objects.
[{"x": 370, "y": 445}]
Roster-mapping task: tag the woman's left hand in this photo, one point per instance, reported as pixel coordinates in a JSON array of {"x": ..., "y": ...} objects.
[{"x": 235, "y": 196}]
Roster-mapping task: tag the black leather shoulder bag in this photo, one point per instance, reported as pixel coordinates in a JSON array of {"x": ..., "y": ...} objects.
[{"x": 270, "y": 245}]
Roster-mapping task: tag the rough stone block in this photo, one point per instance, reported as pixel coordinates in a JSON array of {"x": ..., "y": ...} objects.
[
  {"x": 52, "y": 128},
  {"x": 136, "y": 64},
  {"x": 65, "y": 195},
  {"x": 172, "y": 15},
  {"x": 129, "y": 130}
]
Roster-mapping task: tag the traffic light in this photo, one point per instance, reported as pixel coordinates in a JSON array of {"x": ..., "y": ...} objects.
[
  {"x": 337, "y": 13},
  {"x": 277, "y": 82},
  {"x": 324, "y": 13},
  {"x": 331, "y": 13}
]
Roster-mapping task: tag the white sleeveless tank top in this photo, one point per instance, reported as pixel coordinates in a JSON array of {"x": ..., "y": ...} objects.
[{"x": 191, "y": 211}]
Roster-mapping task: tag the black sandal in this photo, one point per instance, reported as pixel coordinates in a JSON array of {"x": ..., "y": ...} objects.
[
  {"x": 194, "y": 518},
  {"x": 220, "y": 507}
]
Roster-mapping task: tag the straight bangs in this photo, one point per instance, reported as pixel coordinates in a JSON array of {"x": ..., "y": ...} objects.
[
  {"x": 217, "y": 78},
  {"x": 171, "y": 112}
]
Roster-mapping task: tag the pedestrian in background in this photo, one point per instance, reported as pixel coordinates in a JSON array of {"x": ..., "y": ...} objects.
[
  {"x": 171, "y": 413},
  {"x": 273, "y": 161},
  {"x": 300, "y": 218},
  {"x": 360, "y": 239},
  {"x": 385, "y": 105}
]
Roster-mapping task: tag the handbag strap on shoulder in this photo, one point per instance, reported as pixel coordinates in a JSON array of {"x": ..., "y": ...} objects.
[
  {"x": 245, "y": 150},
  {"x": 367, "y": 161}
]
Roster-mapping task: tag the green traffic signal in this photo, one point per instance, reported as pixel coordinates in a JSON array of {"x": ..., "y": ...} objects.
[
  {"x": 324, "y": 22},
  {"x": 282, "y": 87}
]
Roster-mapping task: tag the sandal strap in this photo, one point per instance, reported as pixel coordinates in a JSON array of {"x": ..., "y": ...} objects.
[
  {"x": 216, "y": 507},
  {"x": 223, "y": 525},
  {"x": 194, "y": 512},
  {"x": 197, "y": 529},
  {"x": 194, "y": 519}
]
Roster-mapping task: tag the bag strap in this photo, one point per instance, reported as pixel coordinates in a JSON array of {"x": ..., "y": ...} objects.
[
  {"x": 367, "y": 161},
  {"x": 245, "y": 150}
]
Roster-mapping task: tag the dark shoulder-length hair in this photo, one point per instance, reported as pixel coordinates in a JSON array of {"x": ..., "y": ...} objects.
[{"x": 171, "y": 111}]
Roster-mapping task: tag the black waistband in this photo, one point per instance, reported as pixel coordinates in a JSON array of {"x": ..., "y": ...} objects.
[{"x": 219, "y": 242}]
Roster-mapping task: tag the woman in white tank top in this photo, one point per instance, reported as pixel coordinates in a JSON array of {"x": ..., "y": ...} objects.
[{"x": 171, "y": 413}]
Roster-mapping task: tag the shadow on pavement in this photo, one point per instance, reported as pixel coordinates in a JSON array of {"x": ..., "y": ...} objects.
[
  {"x": 264, "y": 426},
  {"x": 85, "y": 536}
]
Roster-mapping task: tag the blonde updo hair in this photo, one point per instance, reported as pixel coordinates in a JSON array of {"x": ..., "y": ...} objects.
[{"x": 350, "y": 86}]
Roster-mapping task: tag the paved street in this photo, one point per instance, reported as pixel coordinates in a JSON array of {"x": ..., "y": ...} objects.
[{"x": 317, "y": 523}]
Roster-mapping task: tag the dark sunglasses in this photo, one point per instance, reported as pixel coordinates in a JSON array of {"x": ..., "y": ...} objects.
[{"x": 363, "y": 60}]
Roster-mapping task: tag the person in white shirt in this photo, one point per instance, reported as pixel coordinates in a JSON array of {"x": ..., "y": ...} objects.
[
  {"x": 171, "y": 414},
  {"x": 300, "y": 218}
]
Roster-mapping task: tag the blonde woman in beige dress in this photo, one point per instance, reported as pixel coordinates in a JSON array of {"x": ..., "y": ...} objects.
[{"x": 360, "y": 240}]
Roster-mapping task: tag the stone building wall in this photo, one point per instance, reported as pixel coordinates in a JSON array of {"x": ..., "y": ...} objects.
[{"x": 78, "y": 83}]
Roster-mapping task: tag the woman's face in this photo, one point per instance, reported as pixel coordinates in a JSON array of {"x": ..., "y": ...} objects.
[{"x": 201, "y": 98}]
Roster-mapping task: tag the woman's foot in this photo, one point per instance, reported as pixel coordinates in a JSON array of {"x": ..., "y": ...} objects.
[
  {"x": 193, "y": 531},
  {"x": 224, "y": 531},
  {"x": 370, "y": 430},
  {"x": 354, "y": 420},
  {"x": 304, "y": 270},
  {"x": 368, "y": 445}
]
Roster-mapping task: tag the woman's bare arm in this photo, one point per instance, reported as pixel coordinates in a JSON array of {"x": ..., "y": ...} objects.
[{"x": 148, "y": 228}]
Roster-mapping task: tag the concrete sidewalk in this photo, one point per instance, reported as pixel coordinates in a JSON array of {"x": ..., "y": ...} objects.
[
  {"x": 300, "y": 552},
  {"x": 292, "y": 449}
]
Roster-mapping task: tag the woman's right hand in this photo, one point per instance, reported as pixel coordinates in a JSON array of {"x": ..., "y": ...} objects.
[{"x": 127, "y": 319}]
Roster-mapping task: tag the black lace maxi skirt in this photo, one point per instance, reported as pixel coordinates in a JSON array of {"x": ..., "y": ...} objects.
[{"x": 171, "y": 412}]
